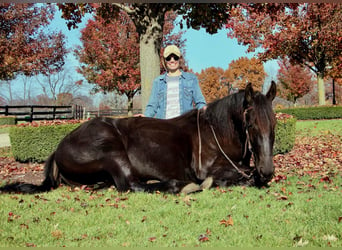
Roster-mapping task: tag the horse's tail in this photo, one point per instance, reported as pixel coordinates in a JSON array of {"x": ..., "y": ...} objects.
[{"x": 52, "y": 180}]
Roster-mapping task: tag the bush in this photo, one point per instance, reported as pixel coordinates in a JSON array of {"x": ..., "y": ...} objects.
[
  {"x": 7, "y": 120},
  {"x": 36, "y": 141},
  {"x": 285, "y": 133},
  {"x": 314, "y": 113}
]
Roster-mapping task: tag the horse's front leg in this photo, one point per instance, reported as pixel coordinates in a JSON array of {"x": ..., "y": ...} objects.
[
  {"x": 126, "y": 178},
  {"x": 174, "y": 186},
  {"x": 229, "y": 176},
  {"x": 170, "y": 186}
]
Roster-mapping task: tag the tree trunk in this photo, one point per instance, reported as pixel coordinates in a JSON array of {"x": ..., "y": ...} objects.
[
  {"x": 321, "y": 89},
  {"x": 130, "y": 104},
  {"x": 149, "y": 62},
  {"x": 333, "y": 90}
]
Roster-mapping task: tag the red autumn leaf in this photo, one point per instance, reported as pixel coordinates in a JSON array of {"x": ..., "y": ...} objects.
[
  {"x": 282, "y": 197},
  {"x": 325, "y": 179},
  {"x": 30, "y": 244},
  {"x": 152, "y": 239},
  {"x": 203, "y": 238},
  {"x": 228, "y": 222},
  {"x": 24, "y": 226}
]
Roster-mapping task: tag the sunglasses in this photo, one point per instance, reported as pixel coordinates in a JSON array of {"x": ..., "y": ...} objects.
[{"x": 176, "y": 58}]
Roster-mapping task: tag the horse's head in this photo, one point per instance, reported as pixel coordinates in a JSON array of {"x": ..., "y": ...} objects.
[{"x": 260, "y": 123}]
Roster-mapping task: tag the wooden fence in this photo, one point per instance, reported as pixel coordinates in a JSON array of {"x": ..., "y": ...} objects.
[{"x": 38, "y": 112}]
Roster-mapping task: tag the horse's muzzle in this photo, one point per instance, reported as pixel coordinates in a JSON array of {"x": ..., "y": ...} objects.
[{"x": 264, "y": 174}]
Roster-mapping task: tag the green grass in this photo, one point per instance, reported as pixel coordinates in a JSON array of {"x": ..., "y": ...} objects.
[
  {"x": 293, "y": 212},
  {"x": 314, "y": 127}
]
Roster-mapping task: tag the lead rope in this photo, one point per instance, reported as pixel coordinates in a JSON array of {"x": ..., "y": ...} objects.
[
  {"x": 226, "y": 156},
  {"x": 248, "y": 141},
  {"x": 199, "y": 142},
  {"x": 247, "y": 144}
]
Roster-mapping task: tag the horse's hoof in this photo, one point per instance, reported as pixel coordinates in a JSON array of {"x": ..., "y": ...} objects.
[
  {"x": 207, "y": 183},
  {"x": 190, "y": 188}
]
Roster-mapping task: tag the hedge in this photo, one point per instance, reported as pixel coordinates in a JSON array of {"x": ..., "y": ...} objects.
[
  {"x": 7, "y": 120},
  {"x": 36, "y": 143},
  {"x": 314, "y": 113},
  {"x": 285, "y": 133}
]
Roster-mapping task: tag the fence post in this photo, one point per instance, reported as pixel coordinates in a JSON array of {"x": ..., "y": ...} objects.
[
  {"x": 73, "y": 111},
  {"x": 31, "y": 115},
  {"x": 6, "y": 110},
  {"x": 54, "y": 112},
  {"x": 77, "y": 112}
]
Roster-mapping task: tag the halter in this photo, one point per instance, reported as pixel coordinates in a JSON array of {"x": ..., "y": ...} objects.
[
  {"x": 248, "y": 140},
  {"x": 248, "y": 143}
]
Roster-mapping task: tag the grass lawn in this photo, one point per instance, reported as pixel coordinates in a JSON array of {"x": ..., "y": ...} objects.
[
  {"x": 299, "y": 210},
  {"x": 314, "y": 127},
  {"x": 295, "y": 212}
]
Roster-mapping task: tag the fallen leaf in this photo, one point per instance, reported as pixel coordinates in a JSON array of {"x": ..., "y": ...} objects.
[
  {"x": 228, "y": 222},
  {"x": 152, "y": 239},
  {"x": 30, "y": 244},
  {"x": 330, "y": 237},
  {"x": 301, "y": 243},
  {"x": 57, "y": 234},
  {"x": 203, "y": 238}
]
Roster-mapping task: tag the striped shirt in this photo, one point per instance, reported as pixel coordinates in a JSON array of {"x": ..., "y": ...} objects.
[{"x": 172, "y": 98}]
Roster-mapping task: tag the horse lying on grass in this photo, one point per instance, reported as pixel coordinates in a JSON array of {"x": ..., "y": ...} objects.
[{"x": 193, "y": 151}]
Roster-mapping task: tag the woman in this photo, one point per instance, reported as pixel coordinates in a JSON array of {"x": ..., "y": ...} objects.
[{"x": 174, "y": 92}]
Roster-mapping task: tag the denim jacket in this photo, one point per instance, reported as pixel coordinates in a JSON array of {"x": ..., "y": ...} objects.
[{"x": 189, "y": 94}]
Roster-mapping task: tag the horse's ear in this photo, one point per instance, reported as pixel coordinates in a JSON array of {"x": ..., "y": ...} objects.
[
  {"x": 272, "y": 91},
  {"x": 249, "y": 94}
]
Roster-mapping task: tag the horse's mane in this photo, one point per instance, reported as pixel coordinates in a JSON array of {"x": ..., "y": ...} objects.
[{"x": 225, "y": 114}]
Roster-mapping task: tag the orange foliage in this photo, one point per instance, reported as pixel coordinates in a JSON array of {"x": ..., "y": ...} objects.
[
  {"x": 243, "y": 70},
  {"x": 211, "y": 83}
]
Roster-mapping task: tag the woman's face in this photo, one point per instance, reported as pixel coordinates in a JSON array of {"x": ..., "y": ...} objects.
[{"x": 172, "y": 62}]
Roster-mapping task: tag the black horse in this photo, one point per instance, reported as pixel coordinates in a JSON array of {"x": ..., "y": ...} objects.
[{"x": 215, "y": 145}]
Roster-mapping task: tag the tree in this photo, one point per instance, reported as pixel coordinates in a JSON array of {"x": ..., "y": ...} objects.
[
  {"x": 309, "y": 34},
  {"x": 24, "y": 47},
  {"x": 11, "y": 94},
  {"x": 211, "y": 83},
  {"x": 149, "y": 19},
  {"x": 109, "y": 56},
  {"x": 58, "y": 83},
  {"x": 64, "y": 99},
  {"x": 43, "y": 99},
  {"x": 295, "y": 81},
  {"x": 242, "y": 71}
]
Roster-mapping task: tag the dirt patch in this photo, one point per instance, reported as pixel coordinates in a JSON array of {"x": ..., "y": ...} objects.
[{"x": 13, "y": 171}]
